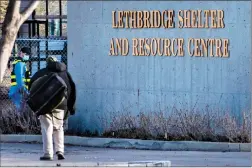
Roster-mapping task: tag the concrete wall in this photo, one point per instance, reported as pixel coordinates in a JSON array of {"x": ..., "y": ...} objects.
[{"x": 144, "y": 84}]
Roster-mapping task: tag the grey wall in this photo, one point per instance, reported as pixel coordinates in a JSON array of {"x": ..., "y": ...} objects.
[{"x": 145, "y": 84}]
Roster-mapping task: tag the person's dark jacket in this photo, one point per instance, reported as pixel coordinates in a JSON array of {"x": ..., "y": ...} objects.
[{"x": 60, "y": 69}]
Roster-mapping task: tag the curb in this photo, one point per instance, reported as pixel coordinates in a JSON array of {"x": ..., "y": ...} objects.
[
  {"x": 94, "y": 164},
  {"x": 137, "y": 143},
  {"x": 136, "y": 164}
]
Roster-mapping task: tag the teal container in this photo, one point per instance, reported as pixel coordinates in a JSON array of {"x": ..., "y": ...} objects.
[{"x": 54, "y": 27}]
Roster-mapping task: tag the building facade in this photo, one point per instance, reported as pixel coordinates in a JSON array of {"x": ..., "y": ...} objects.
[{"x": 136, "y": 84}]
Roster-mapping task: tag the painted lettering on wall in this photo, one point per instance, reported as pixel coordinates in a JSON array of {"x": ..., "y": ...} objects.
[{"x": 169, "y": 19}]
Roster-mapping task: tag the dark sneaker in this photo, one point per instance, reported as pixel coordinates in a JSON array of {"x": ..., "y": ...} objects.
[
  {"x": 60, "y": 155},
  {"x": 46, "y": 157}
]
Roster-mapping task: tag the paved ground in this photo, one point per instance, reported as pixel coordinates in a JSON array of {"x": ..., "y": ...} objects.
[{"x": 14, "y": 154}]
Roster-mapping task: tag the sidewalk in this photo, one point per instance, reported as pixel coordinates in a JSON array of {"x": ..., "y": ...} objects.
[{"x": 23, "y": 154}]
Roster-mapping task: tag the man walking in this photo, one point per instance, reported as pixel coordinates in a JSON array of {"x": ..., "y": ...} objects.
[
  {"x": 20, "y": 78},
  {"x": 52, "y": 122}
]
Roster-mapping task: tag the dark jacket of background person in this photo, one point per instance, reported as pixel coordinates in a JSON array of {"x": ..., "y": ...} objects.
[{"x": 60, "y": 69}]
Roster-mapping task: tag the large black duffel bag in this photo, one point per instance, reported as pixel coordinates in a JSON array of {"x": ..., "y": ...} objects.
[{"x": 46, "y": 94}]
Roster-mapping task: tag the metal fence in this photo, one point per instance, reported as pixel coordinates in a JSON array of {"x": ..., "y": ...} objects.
[{"x": 40, "y": 50}]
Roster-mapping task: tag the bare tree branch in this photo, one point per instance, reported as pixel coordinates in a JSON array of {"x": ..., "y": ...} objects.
[
  {"x": 28, "y": 10},
  {"x": 12, "y": 22},
  {"x": 12, "y": 10},
  {"x": 17, "y": 4}
]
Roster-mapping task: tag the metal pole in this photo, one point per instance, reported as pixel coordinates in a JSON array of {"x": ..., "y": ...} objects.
[
  {"x": 38, "y": 46},
  {"x": 46, "y": 42},
  {"x": 33, "y": 23},
  {"x": 60, "y": 10},
  {"x": 38, "y": 29},
  {"x": 29, "y": 24},
  {"x": 46, "y": 28}
]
